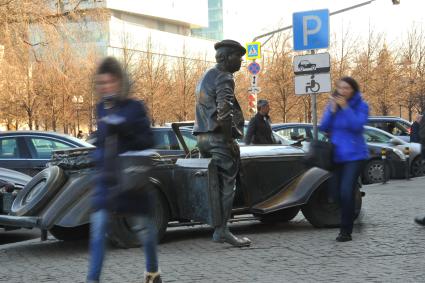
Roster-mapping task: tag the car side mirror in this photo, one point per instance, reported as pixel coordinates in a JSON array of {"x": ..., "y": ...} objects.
[{"x": 395, "y": 142}]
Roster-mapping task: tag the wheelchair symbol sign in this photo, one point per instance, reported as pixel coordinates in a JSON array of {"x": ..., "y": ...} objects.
[{"x": 311, "y": 84}]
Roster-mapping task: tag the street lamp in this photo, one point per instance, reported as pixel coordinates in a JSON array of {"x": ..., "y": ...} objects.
[{"x": 78, "y": 101}]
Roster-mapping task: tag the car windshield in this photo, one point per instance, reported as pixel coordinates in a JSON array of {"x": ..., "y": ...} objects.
[
  {"x": 376, "y": 136},
  {"x": 189, "y": 139},
  {"x": 396, "y": 128}
]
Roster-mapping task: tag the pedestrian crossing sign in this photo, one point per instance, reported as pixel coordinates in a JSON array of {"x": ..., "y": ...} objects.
[{"x": 253, "y": 50}]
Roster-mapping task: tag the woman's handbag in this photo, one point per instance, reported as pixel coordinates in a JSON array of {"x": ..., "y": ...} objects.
[{"x": 320, "y": 155}]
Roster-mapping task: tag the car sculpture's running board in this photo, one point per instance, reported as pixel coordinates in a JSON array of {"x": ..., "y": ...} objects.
[{"x": 20, "y": 221}]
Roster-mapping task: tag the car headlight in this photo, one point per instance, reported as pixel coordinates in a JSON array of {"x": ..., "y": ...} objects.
[{"x": 399, "y": 154}]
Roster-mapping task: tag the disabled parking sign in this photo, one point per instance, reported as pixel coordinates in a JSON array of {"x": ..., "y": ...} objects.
[{"x": 253, "y": 50}]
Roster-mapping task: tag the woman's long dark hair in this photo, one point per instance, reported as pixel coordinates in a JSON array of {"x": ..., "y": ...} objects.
[{"x": 352, "y": 82}]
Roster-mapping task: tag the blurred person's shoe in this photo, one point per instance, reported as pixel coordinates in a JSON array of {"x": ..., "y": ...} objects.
[
  {"x": 344, "y": 237},
  {"x": 420, "y": 220},
  {"x": 152, "y": 277}
]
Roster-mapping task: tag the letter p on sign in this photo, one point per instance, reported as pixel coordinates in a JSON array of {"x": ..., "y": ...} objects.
[{"x": 311, "y": 30}]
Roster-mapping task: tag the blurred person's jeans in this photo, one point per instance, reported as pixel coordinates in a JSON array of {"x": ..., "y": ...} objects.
[
  {"x": 145, "y": 230},
  {"x": 342, "y": 184}
]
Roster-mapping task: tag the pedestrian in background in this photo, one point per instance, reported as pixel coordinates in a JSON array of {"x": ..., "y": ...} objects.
[
  {"x": 122, "y": 125},
  {"x": 259, "y": 128},
  {"x": 414, "y": 130},
  {"x": 343, "y": 120},
  {"x": 420, "y": 219}
]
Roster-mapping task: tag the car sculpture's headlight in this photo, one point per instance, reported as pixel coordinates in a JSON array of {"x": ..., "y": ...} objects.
[{"x": 399, "y": 154}]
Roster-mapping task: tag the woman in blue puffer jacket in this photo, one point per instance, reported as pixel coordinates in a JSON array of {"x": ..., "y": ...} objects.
[{"x": 344, "y": 120}]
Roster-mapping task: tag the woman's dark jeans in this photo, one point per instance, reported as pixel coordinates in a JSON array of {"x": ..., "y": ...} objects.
[
  {"x": 146, "y": 231},
  {"x": 342, "y": 184}
]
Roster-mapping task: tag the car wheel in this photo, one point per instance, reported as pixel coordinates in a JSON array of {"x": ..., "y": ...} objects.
[
  {"x": 323, "y": 213},
  {"x": 374, "y": 172},
  {"x": 417, "y": 167},
  {"x": 122, "y": 228},
  {"x": 280, "y": 216},
  {"x": 70, "y": 233},
  {"x": 42, "y": 188}
]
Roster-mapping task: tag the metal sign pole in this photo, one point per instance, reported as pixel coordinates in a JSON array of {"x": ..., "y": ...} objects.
[{"x": 314, "y": 110}]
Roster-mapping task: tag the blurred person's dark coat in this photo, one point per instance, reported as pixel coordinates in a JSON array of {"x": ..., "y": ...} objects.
[{"x": 133, "y": 133}]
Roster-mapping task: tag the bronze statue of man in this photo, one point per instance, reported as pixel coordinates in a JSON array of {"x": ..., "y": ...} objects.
[{"x": 218, "y": 123}]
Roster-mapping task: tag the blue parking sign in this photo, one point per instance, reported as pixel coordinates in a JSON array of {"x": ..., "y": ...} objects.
[{"x": 311, "y": 30}]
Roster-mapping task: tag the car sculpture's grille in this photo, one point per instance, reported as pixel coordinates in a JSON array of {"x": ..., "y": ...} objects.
[{"x": 78, "y": 158}]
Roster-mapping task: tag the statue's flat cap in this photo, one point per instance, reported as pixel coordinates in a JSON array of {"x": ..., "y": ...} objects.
[{"x": 230, "y": 43}]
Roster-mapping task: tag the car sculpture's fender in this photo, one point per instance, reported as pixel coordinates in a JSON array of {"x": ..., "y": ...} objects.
[{"x": 296, "y": 193}]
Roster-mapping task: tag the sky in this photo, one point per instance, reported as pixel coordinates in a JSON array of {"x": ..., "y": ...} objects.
[{"x": 245, "y": 19}]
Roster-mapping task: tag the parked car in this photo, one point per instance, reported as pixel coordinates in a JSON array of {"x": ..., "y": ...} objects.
[
  {"x": 380, "y": 137},
  {"x": 374, "y": 171},
  {"x": 29, "y": 151},
  {"x": 274, "y": 185},
  {"x": 393, "y": 125}
]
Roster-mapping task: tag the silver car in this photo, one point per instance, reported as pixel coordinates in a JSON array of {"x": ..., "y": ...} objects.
[{"x": 379, "y": 137}]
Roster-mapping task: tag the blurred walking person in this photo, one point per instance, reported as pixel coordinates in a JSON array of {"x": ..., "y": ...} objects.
[
  {"x": 344, "y": 120},
  {"x": 122, "y": 125},
  {"x": 259, "y": 128}
]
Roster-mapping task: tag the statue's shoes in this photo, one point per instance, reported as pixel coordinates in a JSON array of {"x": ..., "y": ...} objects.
[
  {"x": 420, "y": 220},
  {"x": 232, "y": 240}
]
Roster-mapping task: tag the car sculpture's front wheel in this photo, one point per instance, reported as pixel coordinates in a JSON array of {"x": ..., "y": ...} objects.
[
  {"x": 280, "y": 216},
  {"x": 41, "y": 189},
  {"x": 321, "y": 211},
  {"x": 122, "y": 228}
]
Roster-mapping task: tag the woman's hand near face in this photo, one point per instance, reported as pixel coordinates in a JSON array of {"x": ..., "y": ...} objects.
[{"x": 341, "y": 101}]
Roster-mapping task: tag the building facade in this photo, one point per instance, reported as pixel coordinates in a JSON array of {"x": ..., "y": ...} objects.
[
  {"x": 215, "y": 22},
  {"x": 158, "y": 26}
]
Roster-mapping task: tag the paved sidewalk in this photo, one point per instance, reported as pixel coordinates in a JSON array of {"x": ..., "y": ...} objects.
[{"x": 387, "y": 247}]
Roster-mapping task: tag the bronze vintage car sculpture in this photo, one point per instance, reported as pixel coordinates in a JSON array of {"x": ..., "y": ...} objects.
[{"x": 273, "y": 186}]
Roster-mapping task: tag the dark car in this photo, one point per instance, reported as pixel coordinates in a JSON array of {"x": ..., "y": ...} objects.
[
  {"x": 273, "y": 186},
  {"x": 391, "y": 124},
  {"x": 29, "y": 151},
  {"x": 374, "y": 168}
]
